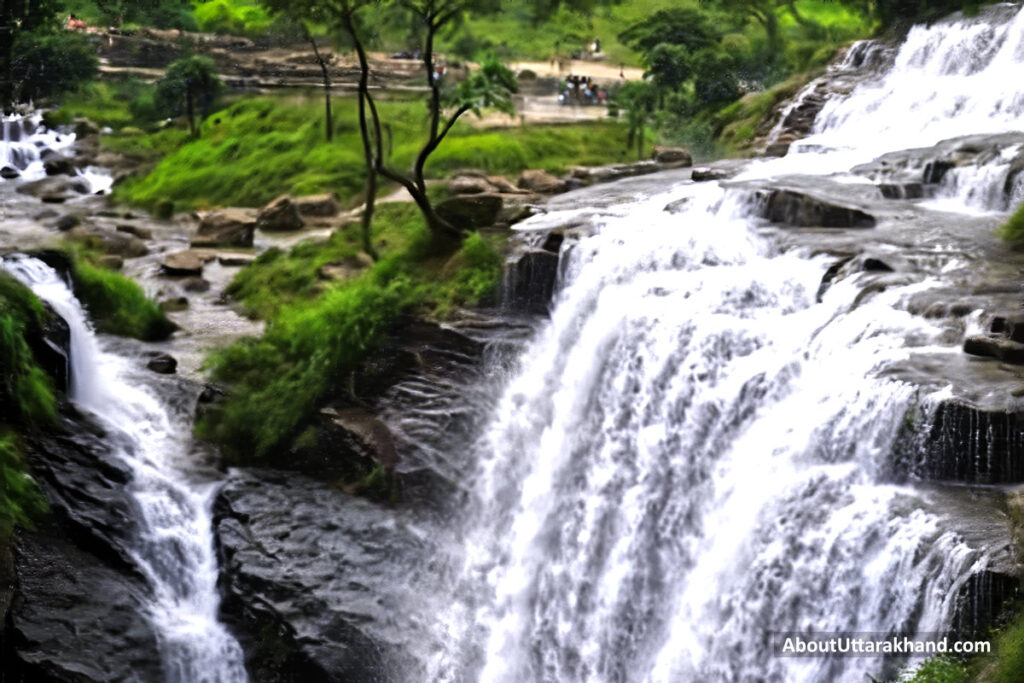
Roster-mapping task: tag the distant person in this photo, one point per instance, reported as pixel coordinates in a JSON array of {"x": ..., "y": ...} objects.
[
  {"x": 74, "y": 23},
  {"x": 622, "y": 70}
]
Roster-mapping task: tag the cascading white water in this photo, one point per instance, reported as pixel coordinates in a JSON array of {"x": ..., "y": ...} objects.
[
  {"x": 23, "y": 140},
  {"x": 175, "y": 545},
  {"x": 695, "y": 453}
]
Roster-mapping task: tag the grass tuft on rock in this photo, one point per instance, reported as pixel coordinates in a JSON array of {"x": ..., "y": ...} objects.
[
  {"x": 1013, "y": 229},
  {"x": 117, "y": 304}
]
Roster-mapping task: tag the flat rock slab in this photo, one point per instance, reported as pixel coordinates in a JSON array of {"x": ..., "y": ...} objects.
[{"x": 225, "y": 228}]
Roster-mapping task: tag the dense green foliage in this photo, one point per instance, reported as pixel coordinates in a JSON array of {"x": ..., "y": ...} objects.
[
  {"x": 164, "y": 14},
  {"x": 940, "y": 670},
  {"x": 117, "y": 305},
  {"x": 1013, "y": 229},
  {"x": 26, "y": 402},
  {"x": 50, "y": 63},
  {"x": 190, "y": 86},
  {"x": 258, "y": 148},
  {"x": 319, "y": 331}
]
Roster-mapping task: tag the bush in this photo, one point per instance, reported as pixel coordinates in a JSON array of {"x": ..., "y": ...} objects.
[
  {"x": 26, "y": 392},
  {"x": 941, "y": 669},
  {"x": 117, "y": 305},
  {"x": 1013, "y": 229}
]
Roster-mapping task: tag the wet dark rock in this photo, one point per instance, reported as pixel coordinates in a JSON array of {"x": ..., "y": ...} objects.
[
  {"x": 195, "y": 284},
  {"x": 235, "y": 259},
  {"x": 225, "y": 228},
  {"x": 84, "y": 127},
  {"x": 137, "y": 230},
  {"x": 964, "y": 443},
  {"x": 936, "y": 170},
  {"x": 56, "y": 189},
  {"x": 777, "y": 149},
  {"x": 303, "y": 586},
  {"x": 800, "y": 210},
  {"x": 530, "y": 282},
  {"x": 279, "y": 215},
  {"x": 9, "y": 173},
  {"x": 67, "y": 222},
  {"x": 902, "y": 190},
  {"x": 75, "y": 618},
  {"x": 983, "y": 602},
  {"x": 163, "y": 363},
  {"x": 471, "y": 211},
  {"x": 109, "y": 241},
  {"x": 59, "y": 166},
  {"x": 553, "y": 242},
  {"x": 848, "y": 266},
  {"x": 995, "y": 346},
  {"x": 174, "y": 304},
  {"x": 706, "y": 173}
]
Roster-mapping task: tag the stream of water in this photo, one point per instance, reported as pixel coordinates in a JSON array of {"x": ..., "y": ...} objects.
[{"x": 174, "y": 548}]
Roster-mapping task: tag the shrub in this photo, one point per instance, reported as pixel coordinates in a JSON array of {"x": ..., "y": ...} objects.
[
  {"x": 20, "y": 499},
  {"x": 26, "y": 392},
  {"x": 941, "y": 669},
  {"x": 1013, "y": 229}
]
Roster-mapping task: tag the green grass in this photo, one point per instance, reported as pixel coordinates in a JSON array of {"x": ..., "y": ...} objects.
[
  {"x": 27, "y": 402},
  {"x": 940, "y": 669},
  {"x": 1008, "y": 647},
  {"x": 116, "y": 304},
  {"x": 259, "y": 148},
  {"x": 318, "y": 333},
  {"x": 740, "y": 122},
  {"x": 1013, "y": 229}
]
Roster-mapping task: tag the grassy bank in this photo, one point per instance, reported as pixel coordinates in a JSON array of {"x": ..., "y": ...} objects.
[
  {"x": 320, "y": 331},
  {"x": 27, "y": 402},
  {"x": 259, "y": 148}
]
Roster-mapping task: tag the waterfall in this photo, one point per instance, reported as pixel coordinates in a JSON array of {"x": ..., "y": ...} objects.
[
  {"x": 175, "y": 546},
  {"x": 25, "y": 144},
  {"x": 696, "y": 452}
]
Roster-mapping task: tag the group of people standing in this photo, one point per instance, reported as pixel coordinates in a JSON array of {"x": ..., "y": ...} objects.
[{"x": 581, "y": 90}]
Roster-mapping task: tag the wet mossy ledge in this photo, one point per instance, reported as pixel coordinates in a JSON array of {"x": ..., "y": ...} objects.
[
  {"x": 328, "y": 309},
  {"x": 114, "y": 303},
  {"x": 28, "y": 399}
]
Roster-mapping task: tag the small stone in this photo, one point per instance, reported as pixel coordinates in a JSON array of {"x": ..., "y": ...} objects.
[
  {"x": 67, "y": 222},
  {"x": 679, "y": 156},
  {"x": 164, "y": 363},
  {"x": 59, "y": 166},
  {"x": 195, "y": 284},
  {"x": 138, "y": 231},
  {"x": 323, "y": 205},
  {"x": 541, "y": 182},
  {"x": 9, "y": 173},
  {"x": 228, "y": 259},
  {"x": 174, "y": 305}
]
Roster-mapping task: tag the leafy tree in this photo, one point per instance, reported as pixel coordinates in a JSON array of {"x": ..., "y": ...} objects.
[
  {"x": 190, "y": 83},
  {"x": 638, "y": 99},
  {"x": 686, "y": 27},
  {"x": 158, "y": 13},
  {"x": 18, "y": 18},
  {"x": 50, "y": 63}
]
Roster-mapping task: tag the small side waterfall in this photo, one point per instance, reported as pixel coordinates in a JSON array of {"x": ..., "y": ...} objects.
[
  {"x": 26, "y": 144},
  {"x": 175, "y": 548}
]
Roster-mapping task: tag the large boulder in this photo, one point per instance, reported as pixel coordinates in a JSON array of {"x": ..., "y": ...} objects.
[
  {"x": 225, "y": 228},
  {"x": 109, "y": 241},
  {"x": 59, "y": 166},
  {"x": 280, "y": 214},
  {"x": 321, "y": 205},
  {"x": 541, "y": 182},
  {"x": 56, "y": 189},
  {"x": 471, "y": 211},
  {"x": 183, "y": 263},
  {"x": 676, "y": 156}
]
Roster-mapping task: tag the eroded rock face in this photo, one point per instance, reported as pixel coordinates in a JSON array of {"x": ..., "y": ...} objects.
[
  {"x": 78, "y": 610},
  {"x": 530, "y": 282},
  {"x": 225, "y": 228},
  {"x": 311, "y": 579}
]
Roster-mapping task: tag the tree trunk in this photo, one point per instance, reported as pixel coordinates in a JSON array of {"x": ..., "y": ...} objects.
[
  {"x": 328, "y": 119},
  {"x": 190, "y": 110}
]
